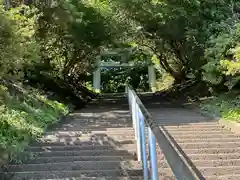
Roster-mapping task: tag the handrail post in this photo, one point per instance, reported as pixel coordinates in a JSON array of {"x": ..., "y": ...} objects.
[
  {"x": 144, "y": 149},
  {"x": 153, "y": 155},
  {"x": 134, "y": 115},
  {"x": 138, "y": 132}
]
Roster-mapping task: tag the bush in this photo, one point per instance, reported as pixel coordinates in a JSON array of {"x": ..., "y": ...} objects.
[
  {"x": 225, "y": 106},
  {"x": 24, "y": 116}
]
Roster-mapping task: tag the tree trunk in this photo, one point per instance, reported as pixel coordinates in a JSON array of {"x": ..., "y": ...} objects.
[{"x": 178, "y": 76}]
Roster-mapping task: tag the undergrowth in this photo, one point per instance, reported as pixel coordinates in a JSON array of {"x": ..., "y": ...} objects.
[
  {"x": 24, "y": 117},
  {"x": 225, "y": 106}
]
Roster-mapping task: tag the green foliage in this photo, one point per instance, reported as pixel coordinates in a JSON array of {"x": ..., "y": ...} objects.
[
  {"x": 188, "y": 37},
  {"x": 24, "y": 115},
  {"x": 113, "y": 79},
  {"x": 165, "y": 82},
  {"x": 17, "y": 44},
  {"x": 223, "y": 57},
  {"x": 224, "y": 106}
]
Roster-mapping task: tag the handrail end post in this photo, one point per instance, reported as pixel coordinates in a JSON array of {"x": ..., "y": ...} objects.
[{"x": 153, "y": 154}]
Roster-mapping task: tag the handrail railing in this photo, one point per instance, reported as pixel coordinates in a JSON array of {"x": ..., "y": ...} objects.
[{"x": 140, "y": 117}]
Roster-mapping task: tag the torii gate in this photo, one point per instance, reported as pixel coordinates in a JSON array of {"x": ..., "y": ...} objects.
[{"x": 99, "y": 64}]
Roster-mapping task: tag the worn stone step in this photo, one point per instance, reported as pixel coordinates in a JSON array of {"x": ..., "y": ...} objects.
[
  {"x": 38, "y": 175},
  {"x": 119, "y": 123},
  {"x": 206, "y": 151},
  {"x": 130, "y": 131},
  {"x": 84, "y": 153},
  {"x": 204, "y": 136},
  {"x": 207, "y": 140},
  {"x": 58, "y": 159},
  {"x": 194, "y": 128},
  {"x": 86, "y": 138},
  {"x": 196, "y": 131},
  {"x": 212, "y": 150},
  {"x": 117, "y": 138},
  {"x": 198, "y": 124},
  {"x": 131, "y": 147},
  {"x": 205, "y": 163},
  {"x": 79, "y": 133},
  {"x": 102, "y": 178},
  {"x": 222, "y": 156},
  {"x": 219, "y": 171},
  {"x": 217, "y": 163},
  {"x": 167, "y": 121},
  {"x": 199, "y": 133},
  {"x": 131, "y": 134},
  {"x": 112, "y": 127},
  {"x": 94, "y": 129},
  {"x": 223, "y": 177},
  {"x": 164, "y": 174},
  {"x": 197, "y": 145},
  {"x": 190, "y": 124},
  {"x": 89, "y": 142},
  {"x": 76, "y": 165}
]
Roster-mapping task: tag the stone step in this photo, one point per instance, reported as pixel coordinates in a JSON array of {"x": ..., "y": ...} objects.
[
  {"x": 190, "y": 124},
  {"x": 58, "y": 159},
  {"x": 68, "y": 134},
  {"x": 197, "y": 145},
  {"x": 95, "y": 137},
  {"x": 223, "y": 177},
  {"x": 219, "y": 171},
  {"x": 212, "y": 150},
  {"x": 130, "y": 131},
  {"x": 198, "y": 124},
  {"x": 122, "y": 122},
  {"x": 217, "y": 163},
  {"x": 116, "y": 138},
  {"x": 167, "y": 121},
  {"x": 220, "y": 156},
  {"x": 200, "y": 133},
  {"x": 206, "y": 163},
  {"x": 89, "y": 142},
  {"x": 131, "y": 147},
  {"x": 38, "y": 175},
  {"x": 110, "y": 123},
  {"x": 113, "y": 127},
  {"x": 193, "y": 128},
  {"x": 207, "y": 140},
  {"x": 84, "y": 153},
  {"x": 205, "y": 136},
  {"x": 80, "y": 133},
  {"x": 128, "y": 174},
  {"x": 76, "y": 165},
  {"x": 102, "y": 178}
]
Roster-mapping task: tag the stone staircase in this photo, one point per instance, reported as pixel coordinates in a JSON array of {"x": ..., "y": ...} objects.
[
  {"x": 210, "y": 149},
  {"x": 98, "y": 143},
  {"x": 94, "y": 143}
]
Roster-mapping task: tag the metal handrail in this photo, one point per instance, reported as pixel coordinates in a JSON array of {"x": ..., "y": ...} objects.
[{"x": 140, "y": 116}]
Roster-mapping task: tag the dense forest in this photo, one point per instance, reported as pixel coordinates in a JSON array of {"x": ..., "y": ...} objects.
[
  {"x": 190, "y": 39},
  {"x": 51, "y": 46}
]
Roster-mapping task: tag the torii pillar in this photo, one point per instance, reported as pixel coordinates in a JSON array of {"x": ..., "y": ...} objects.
[
  {"x": 97, "y": 77},
  {"x": 152, "y": 78}
]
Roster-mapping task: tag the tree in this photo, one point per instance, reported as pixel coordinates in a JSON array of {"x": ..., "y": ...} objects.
[{"x": 178, "y": 31}]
